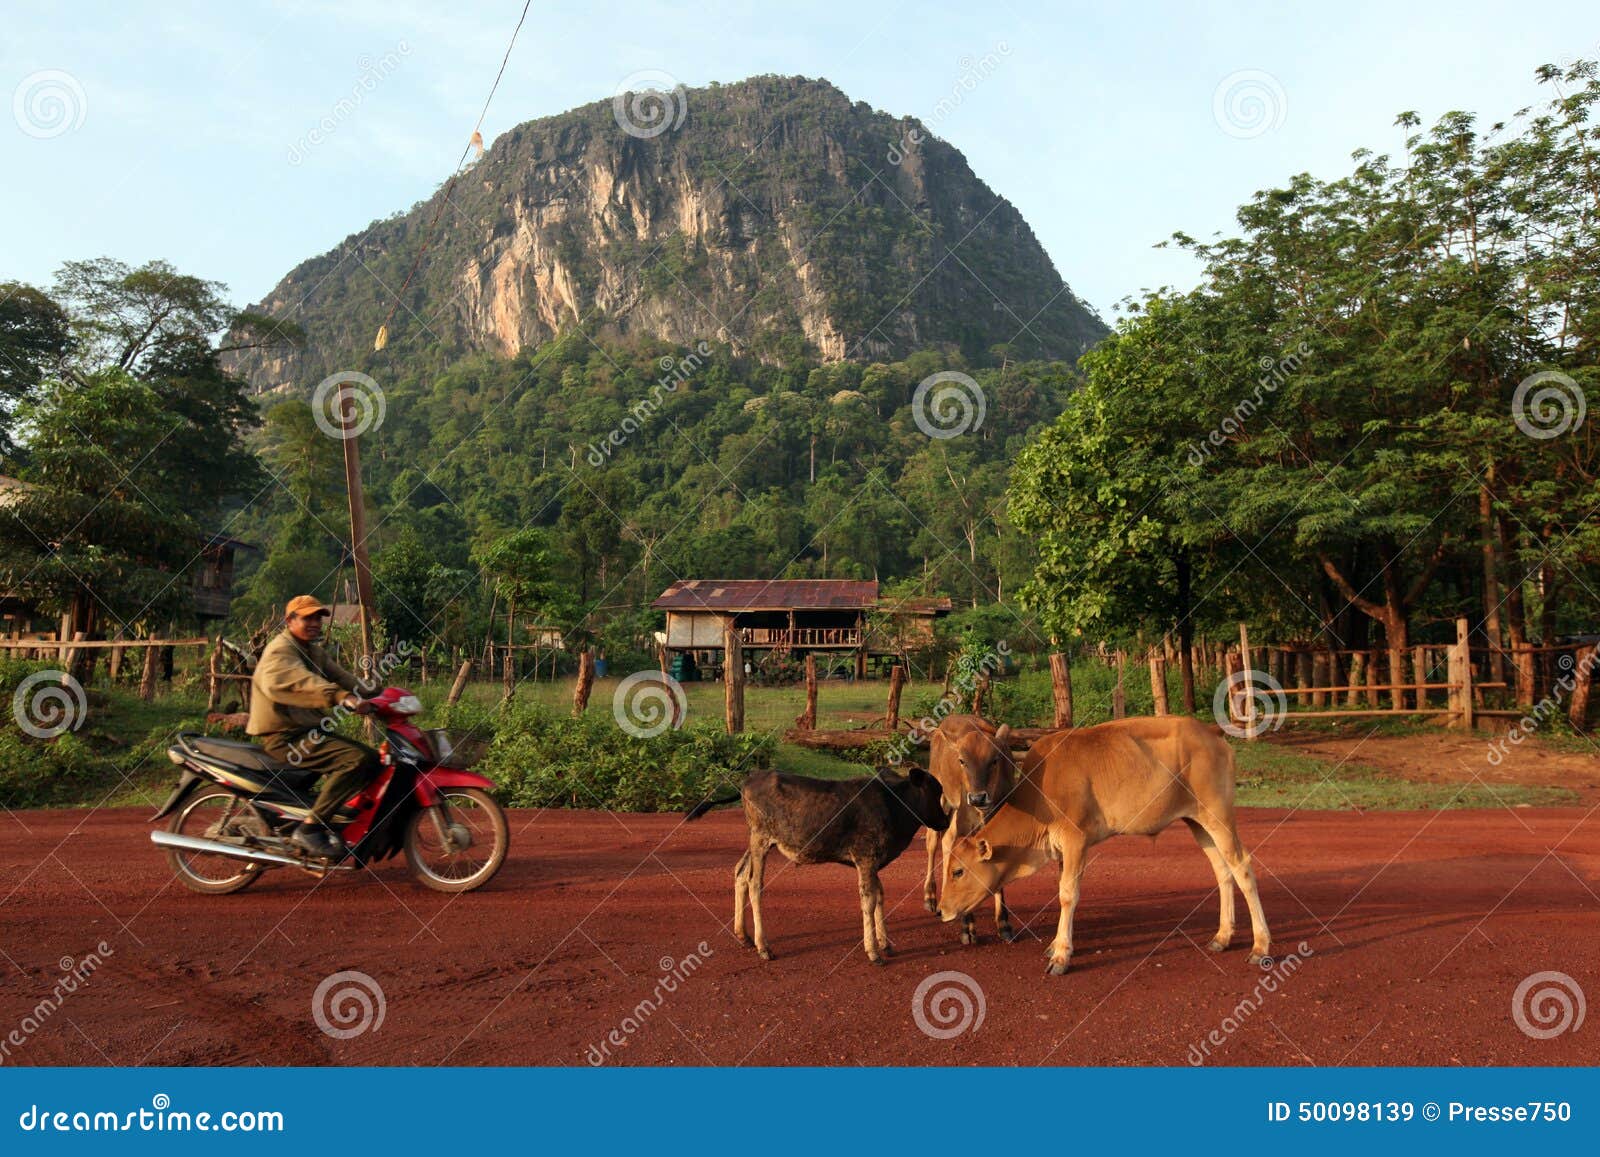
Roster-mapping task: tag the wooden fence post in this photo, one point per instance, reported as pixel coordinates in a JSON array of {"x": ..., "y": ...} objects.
[
  {"x": 1246, "y": 664},
  {"x": 1582, "y": 677},
  {"x": 1419, "y": 668},
  {"x": 1522, "y": 661},
  {"x": 116, "y": 661},
  {"x": 1303, "y": 672},
  {"x": 585, "y": 683},
  {"x": 897, "y": 680},
  {"x": 508, "y": 676},
  {"x": 213, "y": 684},
  {"x": 1061, "y": 689},
  {"x": 1158, "y": 682},
  {"x": 733, "y": 677},
  {"x": 460, "y": 684},
  {"x": 1358, "y": 666},
  {"x": 1319, "y": 679},
  {"x": 1464, "y": 642},
  {"x": 147, "y": 679},
  {"x": 1119, "y": 703},
  {"x": 1397, "y": 679},
  {"x": 808, "y": 721}
]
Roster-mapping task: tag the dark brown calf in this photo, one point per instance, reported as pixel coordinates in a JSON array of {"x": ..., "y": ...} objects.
[{"x": 862, "y": 822}]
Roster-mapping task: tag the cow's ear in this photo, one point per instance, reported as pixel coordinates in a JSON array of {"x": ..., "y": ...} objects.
[{"x": 985, "y": 852}]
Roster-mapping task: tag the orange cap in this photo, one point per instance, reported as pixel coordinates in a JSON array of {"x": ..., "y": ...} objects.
[{"x": 305, "y": 606}]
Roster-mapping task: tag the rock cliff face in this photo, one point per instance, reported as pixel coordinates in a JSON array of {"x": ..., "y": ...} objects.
[{"x": 773, "y": 215}]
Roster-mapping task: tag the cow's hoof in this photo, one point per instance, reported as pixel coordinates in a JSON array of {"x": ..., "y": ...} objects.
[
  {"x": 968, "y": 937},
  {"x": 1261, "y": 959},
  {"x": 766, "y": 953},
  {"x": 742, "y": 938},
  {"x": 878, "y": 960},
  {"x": 1218, "y": 945},
  {"x": 1055, "y": 968},
  {"x": 1006, "y": 933},
  {"x": 886, "y": 948}
]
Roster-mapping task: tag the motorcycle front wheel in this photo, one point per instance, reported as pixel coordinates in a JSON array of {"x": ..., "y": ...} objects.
[
  {"x": 213, "y": 814},
  {"x": 458, "y": 844}
]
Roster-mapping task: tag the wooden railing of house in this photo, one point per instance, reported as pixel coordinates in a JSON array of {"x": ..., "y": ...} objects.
[{"x": 800, "y": 636}]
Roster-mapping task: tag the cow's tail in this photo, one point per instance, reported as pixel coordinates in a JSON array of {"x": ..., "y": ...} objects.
[{"x": 710, "y": 802}]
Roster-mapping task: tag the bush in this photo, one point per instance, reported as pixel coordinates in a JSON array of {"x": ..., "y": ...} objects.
[{"x": 540, "y": 757}]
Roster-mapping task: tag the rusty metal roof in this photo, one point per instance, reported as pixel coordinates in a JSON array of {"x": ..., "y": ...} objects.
[{"x": 769, "y": 595}]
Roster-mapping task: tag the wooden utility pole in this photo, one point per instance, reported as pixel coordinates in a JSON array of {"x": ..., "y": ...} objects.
[{"x": 358, "y": 520}]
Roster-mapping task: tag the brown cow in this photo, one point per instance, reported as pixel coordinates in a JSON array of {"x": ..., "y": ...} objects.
[
  {"x": 967, "y": 749},
  {"x": 1076, "y": 788}
]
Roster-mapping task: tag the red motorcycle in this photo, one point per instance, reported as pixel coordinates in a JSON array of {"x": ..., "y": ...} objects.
[{"x": 235, "y": 807}]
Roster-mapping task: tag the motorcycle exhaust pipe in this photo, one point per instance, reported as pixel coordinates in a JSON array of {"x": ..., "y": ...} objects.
[{"x": 217, "y": 848}]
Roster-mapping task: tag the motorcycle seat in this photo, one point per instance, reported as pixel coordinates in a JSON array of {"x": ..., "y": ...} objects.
[{"x": 255, "y": 763}]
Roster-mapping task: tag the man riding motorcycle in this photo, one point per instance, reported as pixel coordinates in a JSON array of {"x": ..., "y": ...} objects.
[{"x": 294, "y": 687}]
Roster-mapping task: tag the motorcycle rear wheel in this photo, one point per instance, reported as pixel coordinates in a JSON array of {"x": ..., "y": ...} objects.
[
  {"x": 202, "y": 816},
  {"x": 445, "y": 870}
]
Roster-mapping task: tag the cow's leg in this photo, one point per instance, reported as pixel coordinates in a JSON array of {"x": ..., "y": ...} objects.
[
  {"x": 741, "y": 892},
  {"x": 1238, "y": 860},
  {"x": 1072, "y": 857},
  {"x": 879, "y": 920},
  {"x": 930, "y": 893},
  {"x": 759, "y": 847},
  {"x": 1002, "y": 917},
  {"x": 1224, "y": 874},
  {"x": 866, "y": 885}
]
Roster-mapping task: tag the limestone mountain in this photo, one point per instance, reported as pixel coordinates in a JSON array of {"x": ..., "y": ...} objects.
[{"x": 773, "y": 215}]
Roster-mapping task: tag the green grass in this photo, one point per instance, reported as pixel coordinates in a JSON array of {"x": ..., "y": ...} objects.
[{"x": 1273, "y": 776}]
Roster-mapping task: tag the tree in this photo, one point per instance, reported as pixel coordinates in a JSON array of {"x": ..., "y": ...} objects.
[
  {"x": 34, "y": 337},
  {"x": 121, "y": 313},
  {"x": 101, "y": 531}
]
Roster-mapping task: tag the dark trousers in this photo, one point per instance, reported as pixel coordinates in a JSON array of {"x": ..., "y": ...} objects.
[{"x": 347, "y": 765}]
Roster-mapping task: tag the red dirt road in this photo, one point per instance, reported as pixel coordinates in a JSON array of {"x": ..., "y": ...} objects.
[{"x": 1419, "y": 926}]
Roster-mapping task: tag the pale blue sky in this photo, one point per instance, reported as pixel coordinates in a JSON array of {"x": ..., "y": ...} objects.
[{"x": 1098, "y": 122}]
